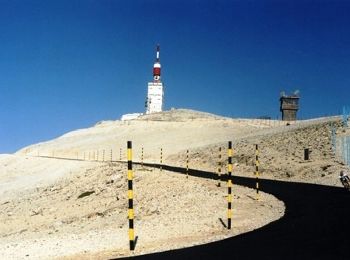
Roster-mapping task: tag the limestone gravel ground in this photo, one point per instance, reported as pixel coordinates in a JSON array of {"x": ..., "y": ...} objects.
[{"x": 84, "y": 215}]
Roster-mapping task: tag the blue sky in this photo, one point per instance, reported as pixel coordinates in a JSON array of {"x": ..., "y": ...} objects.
[{"x": 66, "y": 65}]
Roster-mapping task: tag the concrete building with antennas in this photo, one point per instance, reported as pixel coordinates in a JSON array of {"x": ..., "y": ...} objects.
[{"x": 289, "y": 106}]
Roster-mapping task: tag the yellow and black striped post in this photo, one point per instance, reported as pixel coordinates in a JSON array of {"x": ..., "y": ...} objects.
[
  {"x": 142, "y": 157},
  {"x": 161, "y": 158},
  {"x": 219, "y": 168},
  {"x": 257, "y": 171},
  {"x": 229, "y": 185},
  {"x": 187, "y": 162},
  {"x": 130, "y": 197}
]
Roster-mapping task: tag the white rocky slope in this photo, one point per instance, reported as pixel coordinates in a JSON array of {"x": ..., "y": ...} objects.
[{"x": 44, "y": 215}]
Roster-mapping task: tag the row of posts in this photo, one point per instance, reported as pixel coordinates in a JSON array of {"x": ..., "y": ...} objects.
[
  {"x": 95, "y": 155},
  {"x": 130, "y": 179},
  {"x": 88, "y": 156},
  {"x": 229, "y": 184}
]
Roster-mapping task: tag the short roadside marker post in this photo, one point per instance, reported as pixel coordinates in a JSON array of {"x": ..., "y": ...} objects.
[
  {"x": 257, "y": 171},
  {"x": 187, "y": 162},
  {"x": 130, "y": 197},
  {"x": 219, "y": 168},
  {"x": 161, "y": 158},
  {"x": 142, "y": 157},
  {"x": 306, "y": 154}
]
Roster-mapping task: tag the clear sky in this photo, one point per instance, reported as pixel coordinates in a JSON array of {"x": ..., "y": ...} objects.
[{"x": 66, "y": 65}]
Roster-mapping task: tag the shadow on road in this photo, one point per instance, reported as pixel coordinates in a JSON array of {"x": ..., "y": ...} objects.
[{"x": 315, "y": 225}]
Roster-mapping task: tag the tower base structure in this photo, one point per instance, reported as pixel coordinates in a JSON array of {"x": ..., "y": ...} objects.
[
  {"x": 289, "y": 107},
  {"x": 155, "y": 97}
]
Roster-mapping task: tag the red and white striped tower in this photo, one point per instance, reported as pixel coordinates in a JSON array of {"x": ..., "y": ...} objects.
[
  {"x": 155, "y": 94},
  {"x": 157, "y": 67}
]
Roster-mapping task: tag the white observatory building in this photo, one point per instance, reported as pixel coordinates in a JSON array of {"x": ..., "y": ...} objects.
[{"x": 155, "y": 93}]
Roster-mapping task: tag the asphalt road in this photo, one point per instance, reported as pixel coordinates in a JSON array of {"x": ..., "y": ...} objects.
[{"x": 315, "y": 226}]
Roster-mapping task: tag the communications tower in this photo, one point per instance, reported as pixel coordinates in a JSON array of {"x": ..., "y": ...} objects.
[{"x": 155, "y": 92}]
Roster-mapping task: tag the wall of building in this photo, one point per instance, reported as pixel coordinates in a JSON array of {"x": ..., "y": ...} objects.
[
  {"x": 289, "y": 115},
  {"x": 155, "y": 96}
]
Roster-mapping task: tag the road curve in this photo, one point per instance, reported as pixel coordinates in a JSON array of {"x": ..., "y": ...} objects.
[{"x": 315, "y": 226}]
